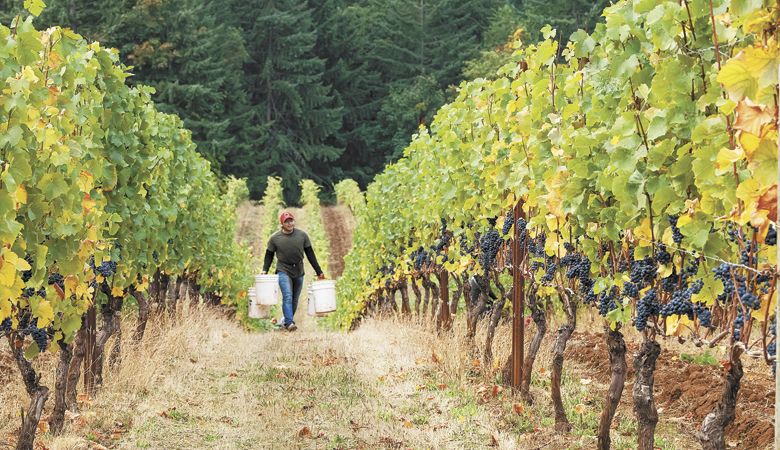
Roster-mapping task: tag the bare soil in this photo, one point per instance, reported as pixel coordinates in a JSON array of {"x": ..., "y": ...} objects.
[
  {"x": 689, "y": 391},
  {"x": 338, "y": 227}
]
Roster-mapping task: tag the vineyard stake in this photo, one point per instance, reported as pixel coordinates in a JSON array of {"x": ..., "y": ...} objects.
[
  {"x": 777, "y": 304},
  {"x": 518, "y": 303},
  {"x": 89, "y": 355}
]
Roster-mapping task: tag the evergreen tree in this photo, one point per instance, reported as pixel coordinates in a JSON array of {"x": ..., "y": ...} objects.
[
  {"x": 421, "y": 46},
  {"x": 566, "y": 16},
  {"x": 291, "y": 115},
  {"x": 194, "y": 63},
  {"x": 344, "y": 40}
]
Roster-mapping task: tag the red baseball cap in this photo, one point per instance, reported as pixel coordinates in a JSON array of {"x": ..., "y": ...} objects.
[{"x": 284, "y": 216}]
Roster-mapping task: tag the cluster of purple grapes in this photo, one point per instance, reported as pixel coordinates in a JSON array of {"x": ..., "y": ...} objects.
[
  {"x": 106, "y": 269},
  {"x": 631, "y": 290},
  {"x": 643, "y": 271},
  {"x": 608, "y": 300},
  {"x": 40, "y": 336},
  {"x": 663, "y": 256},
  {"x": 749, "y": 255},
  {"x": 536, "y": 245},
  {"x": 521, "y": 229},
  {"x": 421, "y": 258},
  {"x": 677, "y": 236},
  {"x": 549, "y": 273},
  {"x": 27, "y": 274},
  {"x": 724, "y": 273},
  {"x": 57, "y": 279},
  {"x": 771, "y": 236},
  {"x": 681, "y": 304},
  {"x": 704, "y": 315},
  {"x": 646, "y": 307},
  {"x": 5, "y": 326},
  {"x": 739, "y": 322},
  {"x": 25, "y": 327},
  {"x": 510, "y": 217},
  {"x": 489, "y": 246}
]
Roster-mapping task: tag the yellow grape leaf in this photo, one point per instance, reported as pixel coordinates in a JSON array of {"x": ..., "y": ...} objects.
[
  {"x": 45, "y": 313},
  {"x": 21, "y": 195},
  {"x": 749, "y": 143},
  {"x": 117, "y": 292},
  {"x": 87, "y": 204},
  {"x": 667, "y": 237},
  {"x": 644, "y": 233},
  {"x": 7, "y": 273},
  {"x": 85, "y": 181},
  {"x": 678, "y": 325},
  {"x": 751, "y": 118},
  {"x": 552, "y": 245},
  {"x": 665, "y": 270},
  {"x": 19, "y": 263},
  {"x": 727, "y": 157},
  {"x": 552, "y": 222},
  {"x": 5, "y": 308},
  {"x": 71, "y": 281}
]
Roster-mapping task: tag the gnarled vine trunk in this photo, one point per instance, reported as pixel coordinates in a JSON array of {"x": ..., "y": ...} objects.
[
  {"x": 74, "y": 368},
  {"x": 617, "y": 363},
  {"x": 38, "y": 395},
  {"x": 564, "y": 333},
  {"x": 110, "y": 324},
  {"x": 417, "y": 296},
  {"x": 540, "y": 320},
  {"x": 712, "y": 434},
  {"x": 406, "y": 309},
  {"x": 143, "y": 315},
  {"x": 456, "y": 296},
  {"x": 644, "y": 401},
  {"x": 57, "y": 419}
]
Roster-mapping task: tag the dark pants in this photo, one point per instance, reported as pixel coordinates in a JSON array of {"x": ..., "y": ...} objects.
[{"x": 291, "y": 290}]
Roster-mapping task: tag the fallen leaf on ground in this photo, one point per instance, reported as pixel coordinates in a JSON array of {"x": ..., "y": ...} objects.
[
  {"x": 304, "y": 433},
  {"x": 519, "y": 408}
]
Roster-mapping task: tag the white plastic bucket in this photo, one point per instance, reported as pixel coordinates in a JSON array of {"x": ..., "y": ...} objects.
[
  {"x": 254, "y": 311},
  {"x": 324, "y": 293},
  {"x": 267, "y": 289},
  {"x": 312, "y": 310}
]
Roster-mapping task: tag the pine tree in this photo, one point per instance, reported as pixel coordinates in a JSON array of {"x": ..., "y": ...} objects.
[
  {"x": 344, "y": 40},
  {"x": 193, "y": 62},
  {"x": 566, "y": 16},
  {"x": 291, "y": 115},
  {"x": 421, "y": 47}
]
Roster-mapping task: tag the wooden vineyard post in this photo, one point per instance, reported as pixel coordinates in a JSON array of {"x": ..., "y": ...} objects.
[
  {"x": 518, "y": 303},
  {"x": 777, "y": 304},
  {"x": 89, "y": 355},
  {"x": 445, "y": 321}
]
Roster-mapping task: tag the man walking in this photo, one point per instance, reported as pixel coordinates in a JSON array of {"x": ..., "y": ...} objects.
[{"x": 290, "y": 244}]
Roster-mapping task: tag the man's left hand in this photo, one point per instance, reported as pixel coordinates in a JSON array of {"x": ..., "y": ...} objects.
[{"x": 321, "y": 276}]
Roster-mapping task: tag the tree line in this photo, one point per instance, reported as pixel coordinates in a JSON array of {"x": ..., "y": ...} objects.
[{"x": 326, "y": 89}]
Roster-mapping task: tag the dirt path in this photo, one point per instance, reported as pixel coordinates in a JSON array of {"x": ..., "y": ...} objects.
[
  {"x": 311, "y": 389},
  {"x": 338, "y": 227}
]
